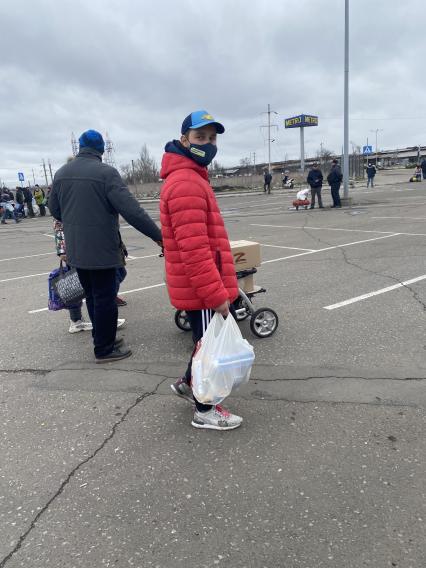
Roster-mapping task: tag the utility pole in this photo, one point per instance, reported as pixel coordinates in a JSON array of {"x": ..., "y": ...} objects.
[
  {"x": 133, "y": 172},
  {"x": 45, "y": 172},
  {"x": 346, "y": 108},
  {"x": 33, "y": 175},
  {"x": 269, "y": 126},
  {"x": 50, "y": 170},
  {"x": 254, "y": 163},
  {"x": 377, "y": 151}
]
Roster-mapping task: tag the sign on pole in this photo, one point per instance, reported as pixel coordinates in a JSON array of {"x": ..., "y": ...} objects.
[
  {"x": 301, "y": 121},
  {"x": 21, "y": 176},
  {"x": 367, "y": 150}
]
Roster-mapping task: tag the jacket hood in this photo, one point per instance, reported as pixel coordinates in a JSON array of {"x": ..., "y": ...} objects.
[{"x": 175, "y": 159}]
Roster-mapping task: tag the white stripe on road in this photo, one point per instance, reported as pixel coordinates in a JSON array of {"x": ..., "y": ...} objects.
[
  {"x": 27, "y": 256},
  {"x": 403, "y": 218},
  {"x": 48, "y": 235},
  {"x": 330, "y": 248},
  {"x": 336, "y": 229},
  {"x": 22, "y": 277},
  {"x": 283, "y": 247},
  {"x": 121, "y": 294},
  {"x": 375, "y": 293}
]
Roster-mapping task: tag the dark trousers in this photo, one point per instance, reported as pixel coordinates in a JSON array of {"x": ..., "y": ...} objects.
[
  {"x": 267, "y": 186},
  {"x": 30, "y": 209},
  {"x": 335, "y": 195},
  {"x": 75, "y": 313},
  {"x": 316, "y": 191},
  {"x": 42, "y": 210},
  {"x": 100, "y": 288}
]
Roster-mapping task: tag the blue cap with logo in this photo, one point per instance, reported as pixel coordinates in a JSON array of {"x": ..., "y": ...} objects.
[
  {"x": 92, "y": 139},
  {"x": 200, "y": 118}
]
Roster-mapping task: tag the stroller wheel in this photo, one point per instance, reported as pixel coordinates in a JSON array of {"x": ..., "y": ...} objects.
[
  {"x": 182, "y": 321},
  {"x": 264, "y": 322}
]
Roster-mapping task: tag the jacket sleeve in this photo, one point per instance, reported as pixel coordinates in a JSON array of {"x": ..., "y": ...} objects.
[
  {"x": 188, "y": 215},
  {"x": 53, "y": 204},
  {"x": 309, "y": 178},
  {"x": 125, "y": 204}
]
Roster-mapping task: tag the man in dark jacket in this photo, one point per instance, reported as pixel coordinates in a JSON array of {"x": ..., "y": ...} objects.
[
  {"x": 267, "y": 180},
  {"x": 20, "y": 200},
  {"x": 371, "y": 172},
  {"x": 28, "y": 197},
  {"x": 87, "y": 197},
  {"x": 423, "y": 166},
  {"x": 315, "y": 181},
  {"x": 334, "y": 179}
]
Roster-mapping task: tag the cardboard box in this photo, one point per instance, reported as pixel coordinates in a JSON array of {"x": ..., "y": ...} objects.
[{"x": 246, "y": 254}]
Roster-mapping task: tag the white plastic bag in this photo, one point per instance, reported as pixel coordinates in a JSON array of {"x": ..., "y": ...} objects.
[{"x": 222, "y": 363}]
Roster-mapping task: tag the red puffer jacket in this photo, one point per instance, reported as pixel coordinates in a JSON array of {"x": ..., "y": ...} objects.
[{"x": 200, "y": 270}]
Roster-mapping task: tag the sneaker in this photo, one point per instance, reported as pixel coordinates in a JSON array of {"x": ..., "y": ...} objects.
[
  {"x": 216, "y": 419},
  {"x": 80, "y": 325},
  {"x": 116, "y": 355},
  {"x": 182, "y": 389},
  {"x": 120, "y": 322},
  {"x": 120, "y": 302}
]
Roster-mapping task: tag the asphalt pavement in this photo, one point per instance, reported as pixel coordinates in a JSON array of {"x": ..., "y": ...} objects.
[{"x": 100, "y": 466}]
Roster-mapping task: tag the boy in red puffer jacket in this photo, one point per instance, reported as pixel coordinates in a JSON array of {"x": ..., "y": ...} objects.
[{"x": 200, "y": 271}]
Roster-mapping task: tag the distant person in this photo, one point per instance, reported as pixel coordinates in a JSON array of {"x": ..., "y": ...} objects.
[
  {"x": 267, "y": 179},
  {"x": 40, "y": 199},
  {"x": 371, "y": 172},
  {"x": 20, "y": 200},
  {"x": 423, "y": 166},
  {"x": 418, "y": 173},
  {"x": 315, "y": 179},
  {"x": 28, "y": 197},
  {"x": 6, "y": 203},
  {"x": 334, "y": 179},
  {"x": 88, "y": 197}
]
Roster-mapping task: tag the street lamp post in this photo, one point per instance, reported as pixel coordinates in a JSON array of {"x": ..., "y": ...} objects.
[
  {"x": 376, "y": 132},
  {"x": 346, "y": 108}
]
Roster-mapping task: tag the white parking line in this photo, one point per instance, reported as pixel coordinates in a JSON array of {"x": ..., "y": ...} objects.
[
  {"x": 375, "y": 293},
  {"x": 336, "y": 229},
  {"x": 48, "y": 235},
  {"x": 22, "y": 277},
  {"x": 283, "y": 247},
  {"x": 121, "y": 294},
  {"x": 330, "y": 248},
  {"x": 27, "y": 256},
  {"x": 403, "y": 218}
]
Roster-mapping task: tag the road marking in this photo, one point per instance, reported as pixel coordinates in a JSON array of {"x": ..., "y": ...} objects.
[
  {"x": 336, "y": 229},
  {"x": 47, "y": 235},
  {"x": 22, "y": 277},
  {"x": 403, "y": 218},
  {"x": 27, "y": 256},
  {"x": 330, "y": 248},
  {"x": 375, "y": 293},
  {"x": 121, "y": 294},
  {"x": 130, "y": 257},
  {"x": 283, "y": 247}
]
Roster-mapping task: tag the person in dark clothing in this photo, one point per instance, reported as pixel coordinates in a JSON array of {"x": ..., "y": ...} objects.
[
  {"x": 28, "y": 198},
  {"x": 314, "y": 180},
  {"x": 6, "y": 203},
  {"x": 423, "y": 166},
  {"x": 267, "y": 179},
  {"x": 371, "y": 172},
  {"x": 20, "y": 200},
  {"x": 334, "y": 179},
  {"x": 87, "y": 197}
]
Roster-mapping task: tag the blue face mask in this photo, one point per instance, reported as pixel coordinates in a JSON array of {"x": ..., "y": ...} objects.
[{"x": 203, "y": 154}]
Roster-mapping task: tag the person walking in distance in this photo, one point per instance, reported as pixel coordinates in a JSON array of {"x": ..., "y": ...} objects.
[
  {"x": 28, "y": 197},
  {"x": 334, "y": 179},
  {"x": 371, "y": 172},
  {"x": 267, "y": 180},
  {"x": 315, "y": 179},
  {"x": 200, "y": 271},
  {"x": 88, "y": 197},
  {"x": 20, "y": 200}
]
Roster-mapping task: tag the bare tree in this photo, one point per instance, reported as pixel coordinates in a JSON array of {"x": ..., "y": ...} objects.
[
  {"x": 245, "y": 162},
  {"x": 142, "y": 170},
  {"x": 325, "y": 156}
]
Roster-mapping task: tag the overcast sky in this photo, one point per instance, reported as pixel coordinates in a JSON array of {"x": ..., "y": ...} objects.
[{"x": 136, "y": 68}]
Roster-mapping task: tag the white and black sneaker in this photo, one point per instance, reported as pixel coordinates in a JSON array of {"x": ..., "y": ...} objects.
[
  {"x": 216, "y": 419},
  {"x": 80, "y": 325}
]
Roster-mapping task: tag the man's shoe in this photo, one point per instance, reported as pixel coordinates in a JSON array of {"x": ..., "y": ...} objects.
[
  {"x": 3, "y": 222},
  {"x": 116, "y": 355},
  {"x": 120, "y": 302},
  {"x": 80, "y": 325},
  {"x": 216, "y": 419},
  {"x": 312, "y": 207},
  {"x": 321, "y": 207},
  {"x": 120, "y": 322},
  {"x": 182, "y": 389}
]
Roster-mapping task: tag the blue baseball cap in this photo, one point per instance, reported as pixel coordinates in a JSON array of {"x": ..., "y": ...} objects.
[
  {"x": 200, "y": 118},
  {"x": 92, "y": 139}
]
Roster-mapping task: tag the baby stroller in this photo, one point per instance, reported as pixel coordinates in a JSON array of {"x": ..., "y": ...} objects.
[{"x": 263, "y": 321}]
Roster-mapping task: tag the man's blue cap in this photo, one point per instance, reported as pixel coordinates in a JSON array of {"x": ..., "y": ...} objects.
[
  {"x": 200, "y": 118},
  {"x": 92, "y": 139}
]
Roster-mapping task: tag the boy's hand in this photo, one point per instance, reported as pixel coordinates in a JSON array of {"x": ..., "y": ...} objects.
[{"x": 223, "y": 309}]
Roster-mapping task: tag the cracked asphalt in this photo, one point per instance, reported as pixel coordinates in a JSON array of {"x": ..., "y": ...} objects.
[{"x": 100, "y": 467}]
